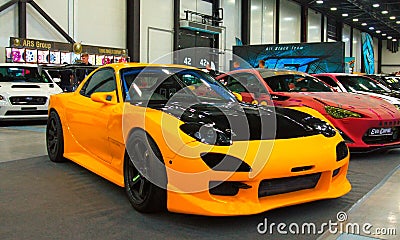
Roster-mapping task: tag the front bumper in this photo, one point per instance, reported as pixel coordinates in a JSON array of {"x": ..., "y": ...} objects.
[
  {"x": 356, "y": 133},
  {"x": 10, "y": 112},
  {"x": 189, "y": 178}
]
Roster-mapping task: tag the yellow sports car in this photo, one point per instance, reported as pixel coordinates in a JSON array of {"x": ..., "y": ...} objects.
[{"x": 176, "y": 139}]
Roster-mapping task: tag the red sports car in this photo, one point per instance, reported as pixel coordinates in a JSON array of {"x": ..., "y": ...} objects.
[{"x": 367, "y": 123}]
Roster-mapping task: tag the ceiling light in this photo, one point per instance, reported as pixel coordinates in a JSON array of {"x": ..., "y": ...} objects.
[
  {"x": 375, "y": 5},
  {"x": 364, "y": 24},
  {"x": 345, "y": 14},
  {"x": 384, "y": 34},
  {"x": 390, "y": 37},
  {"x": 355, "y": 19},
  {"x": 371, "y": 28},
  {"x": 398, "y": 22},
  {"x": 384, "y": 12},
  {"x": 378, "y": 31},
  {"x": 333, "y": 9},
  {"x": 392, "y": 17},
  {"x": 320, "y": 2},
  {"x": 394, "y": 40}
]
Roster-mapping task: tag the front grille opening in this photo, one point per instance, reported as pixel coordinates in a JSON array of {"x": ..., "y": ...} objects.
[
  {"x": 271, "y": 187},
  {"x": 346, "y": 138},
  {"x": 28, "y": 100},
  {"x": 335, "y": 172},
  {"x": 302, "y": 168},
  {"x": 27, "y": 112},
  {"x": 222, "y": 162},
  {"x": 25, "y": 86},
  {"x": 341, "y": 151},
  {"x": 226, "y": 188}
]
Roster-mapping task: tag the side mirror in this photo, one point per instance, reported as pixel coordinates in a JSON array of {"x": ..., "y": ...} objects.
[{"x": 105, "y": 97}]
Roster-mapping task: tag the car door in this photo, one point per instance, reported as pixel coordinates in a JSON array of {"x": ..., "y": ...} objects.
[{"x": 88, "y": 120}]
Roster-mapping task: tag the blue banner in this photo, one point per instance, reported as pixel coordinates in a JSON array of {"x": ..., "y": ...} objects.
[{"x": 368, "y": 53}]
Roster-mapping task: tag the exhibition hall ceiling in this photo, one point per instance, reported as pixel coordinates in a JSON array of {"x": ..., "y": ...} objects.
[{"x": 380, "y": 18}]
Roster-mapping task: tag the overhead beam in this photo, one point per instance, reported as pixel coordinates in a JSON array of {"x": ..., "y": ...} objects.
[
  {"x": 51, "y": 21},
  {"x": 7, "y": 5}
]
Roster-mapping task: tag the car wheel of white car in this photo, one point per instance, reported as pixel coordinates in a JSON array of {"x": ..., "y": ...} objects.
[{"x": 55, "y": 138}]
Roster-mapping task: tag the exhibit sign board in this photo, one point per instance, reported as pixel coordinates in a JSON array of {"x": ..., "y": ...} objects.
[
  {"x": 305, "y": 57},
  {"x": 48, "y": 52}
]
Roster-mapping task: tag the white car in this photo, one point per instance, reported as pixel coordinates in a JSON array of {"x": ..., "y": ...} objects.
[{"x": 25, "y": 92}]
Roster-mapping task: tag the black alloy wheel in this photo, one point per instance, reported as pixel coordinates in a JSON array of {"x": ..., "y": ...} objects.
[
  {"x": 55, "y": 138},
  {"x": 144, "y": 174}
]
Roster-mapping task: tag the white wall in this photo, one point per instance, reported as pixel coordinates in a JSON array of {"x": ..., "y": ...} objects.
[
  {"x": 325, "y": 29},
  {"x": 232, "y": 16},
  {"x": 375, "y": 40},
  {"x": 38, "y": 28},
  {"x": 8, "y": 25},
  {"x": 92, "y": 22},
  {"x": 100, "y": 23},
  {"x": 346, "y": 40},
  {"x": 357, "y": 49},
  {"x": 314, "y": 26},
  {"x": 389, "y": 58},
  {"x": 262, "y": 22},
  {"x": 156, "y": 30},
  {"x": 289, "y": 22},
  {"x": 195, "y": 6}
]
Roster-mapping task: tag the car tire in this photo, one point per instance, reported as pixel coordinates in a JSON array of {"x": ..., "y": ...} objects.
[
  {"x": 143, "y": 162},
  {"x": 55, "y": 138}
]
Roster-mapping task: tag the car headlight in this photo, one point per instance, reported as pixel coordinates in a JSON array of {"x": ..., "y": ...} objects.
[
  {"x": 320, "y": 126},
  {"x": 206, "y": 133},
  {"x": 341, "y": 113}
]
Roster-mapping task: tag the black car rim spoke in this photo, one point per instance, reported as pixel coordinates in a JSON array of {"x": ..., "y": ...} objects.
[
  {"x": 53, "y": 139},
  {"x": 137, "y": 172}
]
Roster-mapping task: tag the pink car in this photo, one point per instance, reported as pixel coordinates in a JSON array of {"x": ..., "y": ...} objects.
[{"x": 365, "y": 122}]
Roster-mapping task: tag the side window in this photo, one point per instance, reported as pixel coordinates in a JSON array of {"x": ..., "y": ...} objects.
[
  {"x": 101, "y": 81},
  {"x": 328, "y": 80},
  {"x": 237, "y": 83}
]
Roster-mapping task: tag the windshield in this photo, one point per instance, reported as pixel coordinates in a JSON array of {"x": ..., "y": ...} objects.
[
  {"x": 394, "y": 82},
  {"x": 360, "y": 83},
  {"x": 163, "y": 84},
  {"x": 295, "y": 83},
  {"x": 22, "y": 74}
]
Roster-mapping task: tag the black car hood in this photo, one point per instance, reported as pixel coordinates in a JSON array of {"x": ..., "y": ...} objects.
[{"x": 245, "y": 122}]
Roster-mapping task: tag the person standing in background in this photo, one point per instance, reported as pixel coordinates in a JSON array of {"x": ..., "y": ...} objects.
[
  {"x": 83, "y": 72},
  {"x": 261, "y": 64},
  {"x": 236, "y": 65}
]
